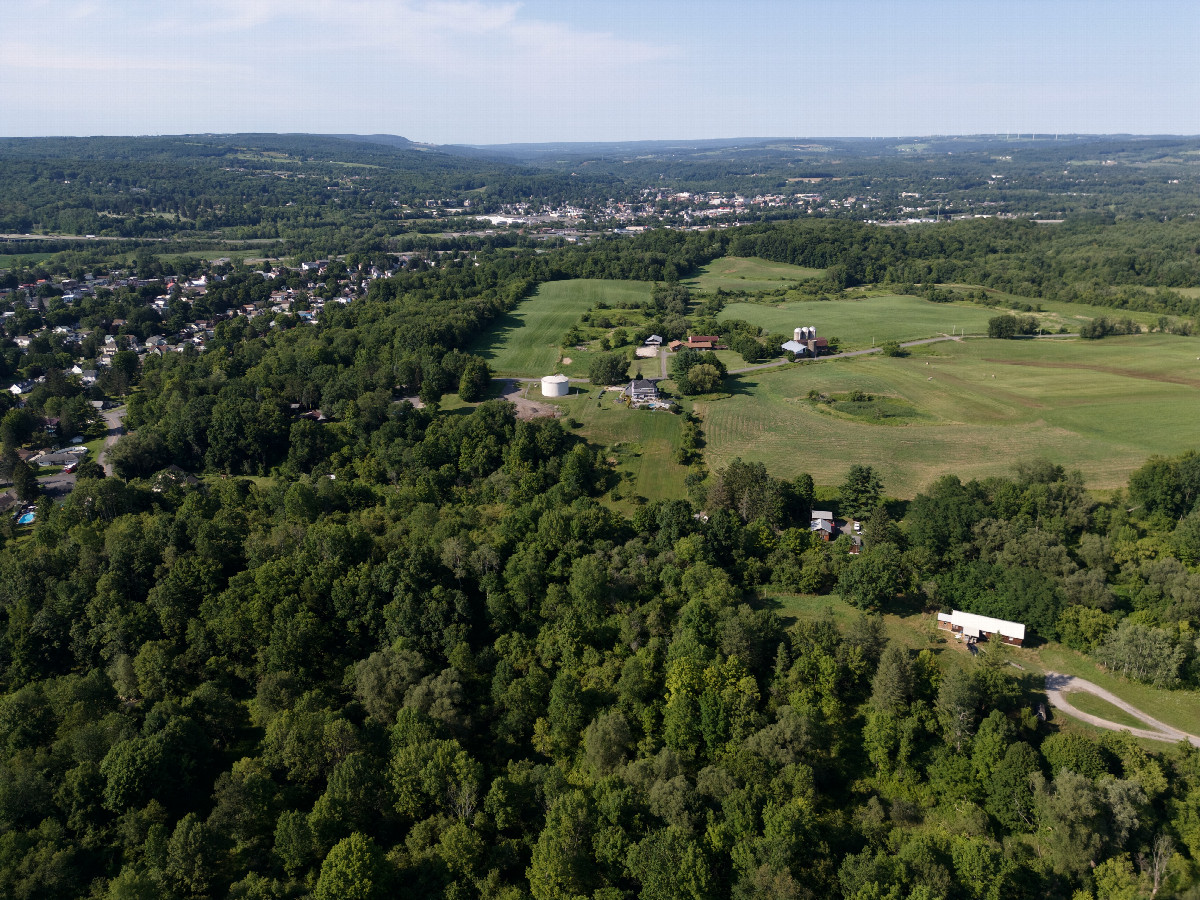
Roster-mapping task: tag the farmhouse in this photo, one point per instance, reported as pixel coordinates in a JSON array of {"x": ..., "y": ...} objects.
[
  {"x": 703, "y": 342},
  {"x": 981, "y": 628},
  {"x": 641, "y": 390}
]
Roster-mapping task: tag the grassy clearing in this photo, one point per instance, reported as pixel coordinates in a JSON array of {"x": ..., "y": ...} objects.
[
  {"x": 1098, "y": 706},
  {"x": 866, "y": 323},
  {"x": 735, "y": 273},
  {"x": 643, "y": 442},
  {"x": 1101, "y": 407},
  {"x": 1179, "y": 709},
  {"x": 528, "y": 341}
]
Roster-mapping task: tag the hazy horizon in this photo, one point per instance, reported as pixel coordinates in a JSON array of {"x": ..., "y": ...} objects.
[{"x": 483, "y": 72}]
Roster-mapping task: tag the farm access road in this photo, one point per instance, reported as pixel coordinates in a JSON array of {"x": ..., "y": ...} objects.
[{"x": 1058, "y": 686}]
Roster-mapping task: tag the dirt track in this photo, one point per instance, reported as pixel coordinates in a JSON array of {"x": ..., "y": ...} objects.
[
  {"x": 1058, "y": 686},
  {"x": 526, "y": 409}
]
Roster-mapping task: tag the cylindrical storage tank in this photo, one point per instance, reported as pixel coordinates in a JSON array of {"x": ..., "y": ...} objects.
[
  {"x": 555, "y": 386},
  {"x": 798, "y": 334},
  {"x": 812, "y": 332}
]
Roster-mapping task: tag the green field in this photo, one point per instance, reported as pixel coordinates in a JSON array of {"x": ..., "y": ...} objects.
[
  {"x": 866, "y": 323},
  {"x": 735, "y": 273},
  {"x": 643, "y": 443},
  {"x": 977, "y": 406},
  {"x": 528, "y": 341}
]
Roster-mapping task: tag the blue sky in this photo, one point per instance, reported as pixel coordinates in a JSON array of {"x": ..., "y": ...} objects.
[{"x": 490, "y": 71}]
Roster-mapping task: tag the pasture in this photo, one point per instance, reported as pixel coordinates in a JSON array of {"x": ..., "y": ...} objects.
[
  {"x": 737, "y": 273},
  {"x": 528, "y": 341},
  {"x": 978, "y": 406}
]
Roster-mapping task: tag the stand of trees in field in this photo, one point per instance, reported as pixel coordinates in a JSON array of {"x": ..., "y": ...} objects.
[{"x": 422, "y": 657}]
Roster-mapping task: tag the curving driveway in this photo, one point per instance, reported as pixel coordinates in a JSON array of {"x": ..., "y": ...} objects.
[{"x": 1058, "y": 686}]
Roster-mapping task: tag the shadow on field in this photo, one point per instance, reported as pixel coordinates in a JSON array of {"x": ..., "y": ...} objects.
[{"x": 488, "y": 345}]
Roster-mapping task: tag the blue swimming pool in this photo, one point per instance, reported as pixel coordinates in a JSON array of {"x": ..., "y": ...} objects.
[{"x": 26, "y": 519}]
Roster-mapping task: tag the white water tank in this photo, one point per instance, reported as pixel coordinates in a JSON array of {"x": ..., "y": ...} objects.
[{"x": 555, "y": 386}]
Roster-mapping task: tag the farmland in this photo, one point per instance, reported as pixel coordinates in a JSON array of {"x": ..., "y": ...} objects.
[
  {"x": 528, "y": 341},
  {"x": 868, "y": 322},
  {"x": 977, "y": 407},
  {"x": 735, "y": 273}
]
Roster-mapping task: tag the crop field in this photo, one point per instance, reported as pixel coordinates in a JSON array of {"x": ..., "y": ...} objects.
[
  {"x": 642, "y": 441},
  {"x": 528, "y": 341},
  {"x": 736, "y": 273},
  {"x": 859, "y": 322},
  {"x": 975, "y": 408}
]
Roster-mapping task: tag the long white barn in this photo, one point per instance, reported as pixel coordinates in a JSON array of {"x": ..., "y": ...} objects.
[{"x": 980, "y": 628}]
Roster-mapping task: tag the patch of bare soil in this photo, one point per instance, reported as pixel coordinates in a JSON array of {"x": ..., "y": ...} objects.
[{"x": 527, "y": 409}]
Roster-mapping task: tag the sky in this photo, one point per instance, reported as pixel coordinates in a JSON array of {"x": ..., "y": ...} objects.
[{"x": 493, "y": 71}]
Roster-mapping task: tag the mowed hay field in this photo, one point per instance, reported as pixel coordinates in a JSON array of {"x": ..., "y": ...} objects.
[
  {"x": 859, "y": 322},
  {"x": 528, "y": 341},
  {"x": 736, "y": 273},
  {"x": 978, "y": 407},
  {"x": 642, "y": 441}
]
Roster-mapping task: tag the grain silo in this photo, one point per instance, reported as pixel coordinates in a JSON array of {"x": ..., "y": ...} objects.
[{"x": 555, "y": 386}]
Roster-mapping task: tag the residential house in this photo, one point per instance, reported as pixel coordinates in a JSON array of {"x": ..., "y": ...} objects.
[
  {"x": 641, "y": 390},
  {"x": 822, "y": 522},
  {"x": 703, "y": 342},
  {"x": 972, "y": 628},
  {"x": 655, "y": 340}
]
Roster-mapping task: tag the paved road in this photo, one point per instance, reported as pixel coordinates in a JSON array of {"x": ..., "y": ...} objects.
[
  {"x": 114, "y": 419},
  {"x": 58, "y": 485},
  {"x": 1058, "y": 686}
]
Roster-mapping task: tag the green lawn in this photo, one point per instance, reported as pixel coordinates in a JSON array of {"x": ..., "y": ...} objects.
[
  {"x": 1097, "y": 706},
  {"x": 528, "y": 341},
  {"x": 642, "y": 441},
  {"x": 866, "y": 323},
  {"x": 978, "y": 407},
  {"x": 1179, "y": 709},
  {"x": 736, "y": 273}
]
